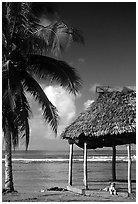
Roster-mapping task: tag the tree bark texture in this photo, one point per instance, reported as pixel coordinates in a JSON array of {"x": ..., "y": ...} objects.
[{"x": 8, "y": 162}]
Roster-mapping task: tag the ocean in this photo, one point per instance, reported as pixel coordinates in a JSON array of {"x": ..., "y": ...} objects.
[{"x": 36, "y": 171}]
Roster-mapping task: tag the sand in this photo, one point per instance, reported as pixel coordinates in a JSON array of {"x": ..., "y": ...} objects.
[
  {"x": 32, "y": 181},
  {"x": 67, "y": 196}
]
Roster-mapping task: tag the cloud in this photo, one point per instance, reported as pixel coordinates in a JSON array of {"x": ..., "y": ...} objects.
[
  {"x": 92, "y": 90},
  {"x": 64, "y": 102},
  {"x": 81, "y": 60},
  {"x": 87, "y": 103},
  {"x": 41, "y": 132}
]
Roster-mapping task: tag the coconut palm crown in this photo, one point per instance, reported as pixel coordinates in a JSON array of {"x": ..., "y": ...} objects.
[{"x": 25, "y": 46}]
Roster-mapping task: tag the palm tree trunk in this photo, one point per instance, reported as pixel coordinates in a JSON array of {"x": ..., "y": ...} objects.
[{"x": 9, "y": 187}]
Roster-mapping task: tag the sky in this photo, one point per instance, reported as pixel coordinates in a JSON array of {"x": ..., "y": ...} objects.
[{"x": 108, "y": 58}]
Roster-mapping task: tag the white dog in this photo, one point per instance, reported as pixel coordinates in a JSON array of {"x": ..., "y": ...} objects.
[{"x": 111, "y": 189}]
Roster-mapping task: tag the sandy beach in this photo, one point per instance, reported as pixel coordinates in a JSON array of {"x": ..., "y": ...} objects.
[
  {"x": 33, "y": 177},
  {"x": 66, "y": 196}
]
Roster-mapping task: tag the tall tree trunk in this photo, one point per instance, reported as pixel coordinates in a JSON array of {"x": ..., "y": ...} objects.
[{"x": 9, "y": 187}]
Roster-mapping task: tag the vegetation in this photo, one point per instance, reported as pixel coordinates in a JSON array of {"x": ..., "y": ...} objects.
[{"x": 26, "y": 44}]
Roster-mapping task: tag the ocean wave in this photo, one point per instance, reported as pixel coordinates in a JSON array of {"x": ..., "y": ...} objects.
[
  {"x": 109, "y": 158},
  {"x": 89, "y": 159}
]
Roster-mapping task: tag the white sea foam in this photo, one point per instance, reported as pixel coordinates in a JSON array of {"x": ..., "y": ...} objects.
[
  {"x": 90, "y": 159},
  {"x": 109, "y": 158},
  {"x": 38, "y": 160}
]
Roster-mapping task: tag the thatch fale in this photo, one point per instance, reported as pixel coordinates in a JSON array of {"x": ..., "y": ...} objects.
[{"x": 110, "y": 119}]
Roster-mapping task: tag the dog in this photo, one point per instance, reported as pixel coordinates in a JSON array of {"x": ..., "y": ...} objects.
[{"x": 111, "y": 189}]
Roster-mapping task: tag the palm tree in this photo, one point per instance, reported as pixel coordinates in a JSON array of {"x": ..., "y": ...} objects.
[{"x": 25, "y": 47}]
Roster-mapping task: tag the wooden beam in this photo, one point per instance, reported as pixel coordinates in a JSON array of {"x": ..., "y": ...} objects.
[
  {"x": 76, "y": 190},
  {"x": 114, "y": 163},
  {"x": 70, "y": 164},
  {"x": 85, "y": 165},
  {"x": 129, "y": 168}
]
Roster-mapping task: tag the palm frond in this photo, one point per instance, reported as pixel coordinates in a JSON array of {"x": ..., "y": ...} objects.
[
  {"x": 11, "y": 83},
  {"x": 55, "y": 37},
  {"x": 23, "y": 116},
  {"x": 35, "y": 45},
  {"x": 5, "y": 19},
  {"x": 27, "y": 134},
  {"x": 7, "y": 85},
  {"x": 4, "y": 42},
  {"x": 23, "y": 36},
  {"x": 24, "y": 29},
  {"x": 17, "y": 15},
  {"x": 19, "y": 20},
  {"x": 5, "y": 111},
  {"x": 76, "y": 35},
  {"x": 17, "y": 122},
  {"x": 18, "y": 117},
  {"x": 49, "y": 111},
  {"x": 8, "y": 119},
  {"x": 14, "y": 129},
  {"x": 55, "y": 70}
]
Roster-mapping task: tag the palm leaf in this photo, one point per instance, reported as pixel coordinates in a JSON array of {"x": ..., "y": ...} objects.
[
  {"x": 54, "y": 38},
  {"x": 17, "y": 117},
  {"x": 7, "y": 85},
  {"x": 17, "y": 15},
  {"x": 55, "y": 70},
  {"x": 4, "y": 43},
  {"x": 21, "y": 36},
  {"x": 11, "y": 84},
  {"x": 19, "y": 21},
  {"x": 5, "y": 20},
  {"x": 23, "y": 111},
  {"x": 8, "y": 118},
  {"x": 49, "y": 111},
  {"x": 14, "y": 129},
  {"x": 35, "y": 45},
  {"x": 63, "y": 36}
]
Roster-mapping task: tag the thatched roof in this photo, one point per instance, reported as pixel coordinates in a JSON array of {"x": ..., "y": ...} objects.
[{"x": 112, "y": 117}]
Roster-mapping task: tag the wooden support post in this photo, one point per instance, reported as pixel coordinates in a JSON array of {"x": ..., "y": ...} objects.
[
  {"x": 114, "y": 163},
  {"x": 70, "y": 164},
  {"x": 129, "y": 168},
  {"x": 85, "y": 165}
]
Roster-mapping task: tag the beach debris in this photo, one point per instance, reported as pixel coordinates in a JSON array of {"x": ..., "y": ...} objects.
[
  {"x": 76, "y": 190},
  {"x": 56, "y": 189}
]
